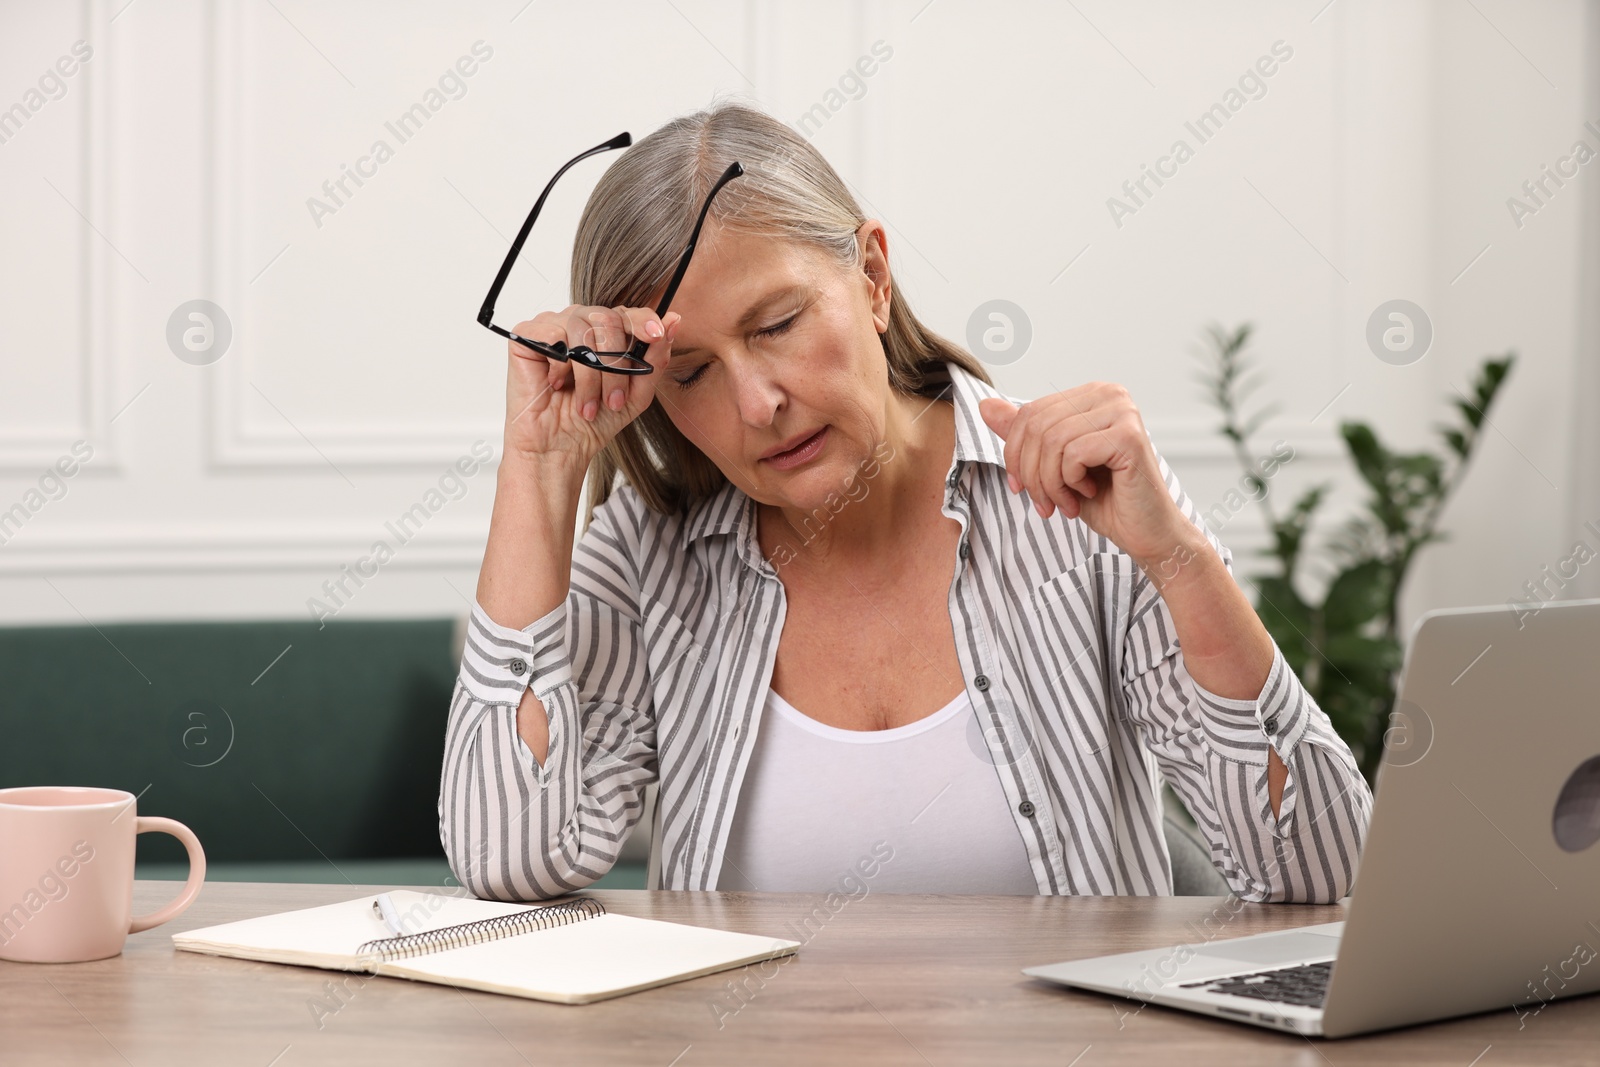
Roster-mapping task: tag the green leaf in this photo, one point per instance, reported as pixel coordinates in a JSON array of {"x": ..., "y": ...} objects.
[
  {"x": 1375, "y": 465},
  {"x": 1372, "y": 461},
  {"x": 1286, "y": 616},
  {"x": 1231, "y": 343},
  {"x": 1357, "y": 596},
  {"x": 1471, "y": 412},
  {"x": 1358, "y": 690},
  {"x": 1370, "y": 662},
  {"x": 1289, "y": 532},
  {"x": 1352, "y": 705},
  {"x": 1309, "y": 500},
  {"x": 1279, "y": 592},
  {"x": 1455, "y": 439},
  {"x": 1492, "y": 377},
  {"x": 1228, "y": 378}
]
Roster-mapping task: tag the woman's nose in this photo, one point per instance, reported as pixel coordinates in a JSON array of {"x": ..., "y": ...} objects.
[{"x": 760, "y": 394}]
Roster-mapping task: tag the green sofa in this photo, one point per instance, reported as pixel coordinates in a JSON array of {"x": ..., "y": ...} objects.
[{"x": 296, "y": 753}]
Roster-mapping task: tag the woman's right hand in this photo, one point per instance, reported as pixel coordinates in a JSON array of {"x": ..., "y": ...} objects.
[{"x": 564, "y": 410}]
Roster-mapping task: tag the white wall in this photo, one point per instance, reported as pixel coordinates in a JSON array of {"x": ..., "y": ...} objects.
[{"x": 179, "y": 160}]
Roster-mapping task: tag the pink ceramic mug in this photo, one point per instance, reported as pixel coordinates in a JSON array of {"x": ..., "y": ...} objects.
[{"x": 66, "y": 872}]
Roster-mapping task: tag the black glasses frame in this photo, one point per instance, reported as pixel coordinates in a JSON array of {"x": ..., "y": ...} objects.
[{"x": 633, "y": 357}]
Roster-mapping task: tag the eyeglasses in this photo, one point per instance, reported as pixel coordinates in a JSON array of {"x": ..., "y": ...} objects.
[{"x": 630, "y": 361}]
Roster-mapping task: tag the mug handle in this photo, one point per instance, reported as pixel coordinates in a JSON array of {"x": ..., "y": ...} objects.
[{"x": 197, "y": 870}]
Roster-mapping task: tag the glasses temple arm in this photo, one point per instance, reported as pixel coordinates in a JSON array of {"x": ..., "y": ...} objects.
[
  {"x": 734, "y": 170},
  {"x": 640, "y": 346},
  {"x": 486, "y": 313}
]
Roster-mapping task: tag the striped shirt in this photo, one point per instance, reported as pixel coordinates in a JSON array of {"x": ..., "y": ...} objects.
[{"x": 655, "y": 669}]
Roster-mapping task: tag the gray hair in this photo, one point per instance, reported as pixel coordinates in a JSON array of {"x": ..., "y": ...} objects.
[{"x": 635, "y": 226}]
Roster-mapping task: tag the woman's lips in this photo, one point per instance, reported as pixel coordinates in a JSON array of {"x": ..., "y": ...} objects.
[{"x": 801, "y": 453}]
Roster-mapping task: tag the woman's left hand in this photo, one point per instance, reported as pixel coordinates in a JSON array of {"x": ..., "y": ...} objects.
[{"x": 1085, "y": 451}]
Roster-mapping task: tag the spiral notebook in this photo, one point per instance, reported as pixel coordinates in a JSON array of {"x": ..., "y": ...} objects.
[{"x": 571, "y": 952}]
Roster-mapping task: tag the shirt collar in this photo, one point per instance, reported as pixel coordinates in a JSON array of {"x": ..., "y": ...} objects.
[
  {"x": 975, "y": 442},
  {"x": 729, "y": 510}
]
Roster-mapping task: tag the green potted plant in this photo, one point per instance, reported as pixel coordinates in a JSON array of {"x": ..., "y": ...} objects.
[{"x": 1345, "y": 644}]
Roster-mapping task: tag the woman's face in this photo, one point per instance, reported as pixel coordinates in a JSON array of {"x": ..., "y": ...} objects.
[{"x": 778, "y": 372}]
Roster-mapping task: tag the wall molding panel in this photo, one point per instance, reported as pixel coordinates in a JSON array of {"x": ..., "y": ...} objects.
[
  {"x": 30, "y": 449},
  {"x": 234, "y": 441}
]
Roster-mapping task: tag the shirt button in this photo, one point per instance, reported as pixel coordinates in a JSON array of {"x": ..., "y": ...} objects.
[
  {"x": 982, "y": 682},
  {"x": 964, "y": 551},
  {"x": 1271, "y": 724},
  {"x": 518, "y": 667},
  {"x": 1025, "y": 809},
  {"x": 955, "y": 476}
]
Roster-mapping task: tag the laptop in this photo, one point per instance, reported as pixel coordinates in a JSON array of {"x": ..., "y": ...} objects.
[{"x": 1479, "y": 883}]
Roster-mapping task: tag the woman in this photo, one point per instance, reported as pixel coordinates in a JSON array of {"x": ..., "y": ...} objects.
[{"x": 857, "y": 614}]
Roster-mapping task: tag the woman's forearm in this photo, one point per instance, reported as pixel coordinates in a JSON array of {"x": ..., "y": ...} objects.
[
  {"x": 1226, "y": 649},
  {"x": 527, "y": 564}
]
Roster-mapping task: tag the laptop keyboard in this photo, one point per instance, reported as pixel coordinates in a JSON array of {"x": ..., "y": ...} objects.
[{"x": 1305, "y": 985}]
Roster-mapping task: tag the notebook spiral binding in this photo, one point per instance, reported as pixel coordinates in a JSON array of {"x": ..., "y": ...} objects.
[{"x": 463, "y": 934}]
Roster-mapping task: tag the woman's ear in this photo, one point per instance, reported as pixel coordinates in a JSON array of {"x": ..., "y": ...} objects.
[{"x": 875, "y": 267}]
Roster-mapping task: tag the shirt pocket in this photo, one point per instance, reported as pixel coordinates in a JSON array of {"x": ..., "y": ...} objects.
[
  {"x": 1082, "y": 621},
  {"x": 681, "y": 668}
]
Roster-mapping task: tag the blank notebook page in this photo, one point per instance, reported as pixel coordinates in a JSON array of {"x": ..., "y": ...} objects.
[
  {"x": 605, "y": 956},
  {"x": 601, "y": 957}
]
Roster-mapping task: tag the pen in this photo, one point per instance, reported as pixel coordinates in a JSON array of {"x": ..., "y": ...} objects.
[{"x": 383, "y": 907}]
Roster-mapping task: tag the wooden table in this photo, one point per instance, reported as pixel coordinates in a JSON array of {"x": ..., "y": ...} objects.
[{"x": 887, "y": 980}]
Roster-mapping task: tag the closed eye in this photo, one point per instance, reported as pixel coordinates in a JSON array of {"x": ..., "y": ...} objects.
[
  {"x": 779, "y": 327},
  {"x": 769, "y": 331}
]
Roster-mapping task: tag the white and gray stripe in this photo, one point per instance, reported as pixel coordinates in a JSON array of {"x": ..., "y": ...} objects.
[{"x": 656, "y": 667}]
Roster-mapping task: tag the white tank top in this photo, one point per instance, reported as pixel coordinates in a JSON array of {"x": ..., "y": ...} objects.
[{"x": 919, "y": 806}]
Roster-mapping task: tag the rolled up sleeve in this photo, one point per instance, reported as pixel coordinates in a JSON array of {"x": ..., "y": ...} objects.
[
  {"x": 1213, "y": 750},
  {"x": 513, "y": 829}
]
